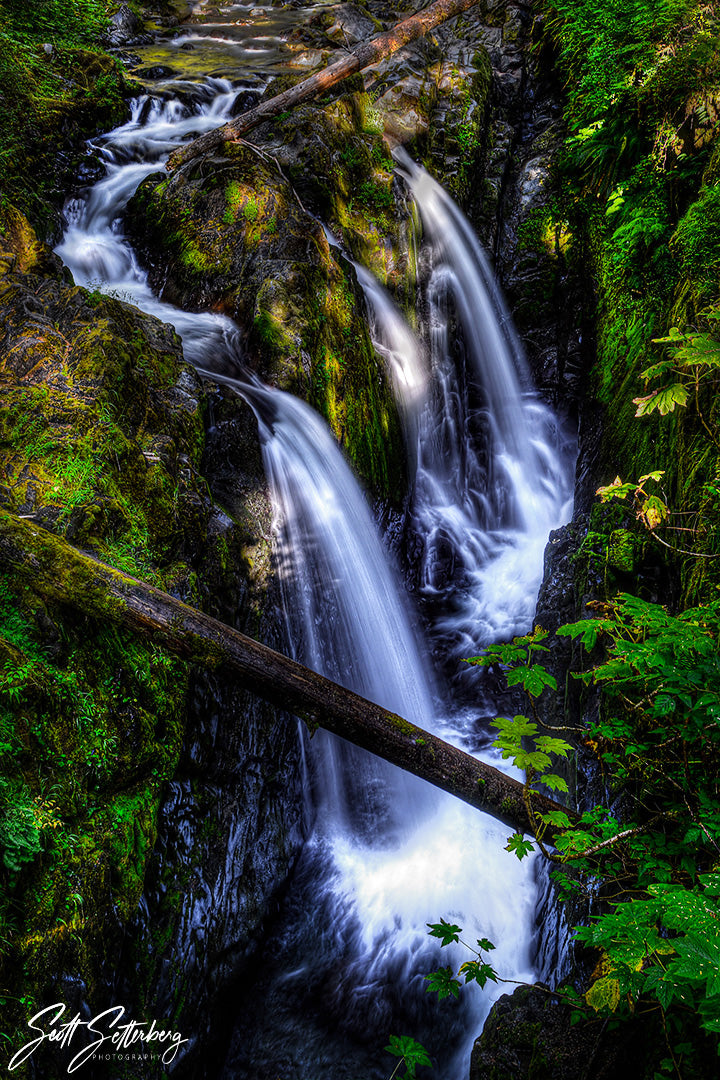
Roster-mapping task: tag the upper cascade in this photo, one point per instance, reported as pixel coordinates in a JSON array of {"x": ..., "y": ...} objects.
[{"x": 94, "y": 246}]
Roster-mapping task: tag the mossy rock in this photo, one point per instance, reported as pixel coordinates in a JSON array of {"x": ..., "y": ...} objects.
[
  {"x": 20, "y": 249},
  {"x": 238, "y": 233},
  {"x": 530, "y": 1035},
  {"x": 101, "y": 439},
  {"x": 696, "y": 246}
]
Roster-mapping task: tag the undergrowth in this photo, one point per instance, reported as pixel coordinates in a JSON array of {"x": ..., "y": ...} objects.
[{"x": 639, "y": 178}]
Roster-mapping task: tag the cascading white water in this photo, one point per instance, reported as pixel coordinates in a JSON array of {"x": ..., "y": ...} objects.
[
  {"x": 389, "y": 854},
  {"x": 343, "y": 606},
  {"x": 396, "y": 343},
  {"x": 494, "y": 465},
  {"x": 396, "y": 854},
  {"x": 94, "y": 246}
]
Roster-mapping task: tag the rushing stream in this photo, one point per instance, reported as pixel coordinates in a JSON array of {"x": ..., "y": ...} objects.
[{"x": 387, "y": 854}]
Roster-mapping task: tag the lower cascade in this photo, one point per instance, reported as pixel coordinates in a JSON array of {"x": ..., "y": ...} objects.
[
  {"x": 346, "y": 962},
  {"x": 388, "y": 853}
]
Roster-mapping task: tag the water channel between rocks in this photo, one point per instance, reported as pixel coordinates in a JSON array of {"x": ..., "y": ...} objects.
[{"x": 386, "y": 854}]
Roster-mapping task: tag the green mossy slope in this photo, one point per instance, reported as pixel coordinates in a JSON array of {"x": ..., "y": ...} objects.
[
  {"x": 101, "y": 436},
  {"x": 640, "y": 180},
  {"x": 56, "y": 89}
]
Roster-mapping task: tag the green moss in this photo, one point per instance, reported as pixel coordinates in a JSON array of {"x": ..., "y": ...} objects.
[
  {"x": 233, "y": 197},
  {"x": 546, "y": 231},
  {"x": 696, "y": 245},
  {"x": 250, "y": 210},
  {"x": 97, "y": 445},
  {"x": 357, "y": 406},
  {"x": 621, "y": 550},
  {"x": 46, "y": 93},
  {"x": 74, "y": 727},
  {"x": 194, "y": 259},
  {"x": 401, "y": 725}
]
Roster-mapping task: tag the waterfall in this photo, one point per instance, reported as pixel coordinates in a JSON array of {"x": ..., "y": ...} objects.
[
  {"x": 494, "y": 471},
  {"x": 343, "y": 607},
  {"x": 396, "y": 343},
  {"x": 388, "y": 854}
]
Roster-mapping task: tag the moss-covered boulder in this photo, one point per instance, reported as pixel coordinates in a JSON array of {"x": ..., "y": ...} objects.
[
  {"x": 239, "y": 232},
  {"x": 530, "y": 1035}
]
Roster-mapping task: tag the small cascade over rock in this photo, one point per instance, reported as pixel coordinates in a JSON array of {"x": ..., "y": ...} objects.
[
  {"x": 94, "y": 246},
  {"x": 396, "y": 343}
]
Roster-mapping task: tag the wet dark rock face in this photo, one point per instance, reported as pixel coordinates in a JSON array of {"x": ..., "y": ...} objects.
[
  {"x": 529, "y": 1034},
  {"x": 126, "y": 28},
  {"x": 539, "y": 264},
  {"x": 232, "y": 822}
]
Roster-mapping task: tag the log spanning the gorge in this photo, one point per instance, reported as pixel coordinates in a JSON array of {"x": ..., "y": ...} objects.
[
  {"x": 59, "y": 572},
  {"x": 362, "y": 56}
]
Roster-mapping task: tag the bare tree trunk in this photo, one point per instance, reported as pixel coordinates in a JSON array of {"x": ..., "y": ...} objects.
[
  {"x": 362, "y": 56},
  {"x": 59, "y": 572}
]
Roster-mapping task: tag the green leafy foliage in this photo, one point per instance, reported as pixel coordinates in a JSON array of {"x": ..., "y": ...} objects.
[
  {"x": 667, "y": 947},
  {"x": 411, "y": 1054},
  {"x": 19, "y": 833},
  {"x": 657, "y": 739},
  {"x": 534, "y": 760},
  {"x": 519, "y": 846},
  {"x": 664, "y": 400},
  {"x": 693, "y": 359},
  {"x": 642, "y": 118},
  {"x": 447, "y": 932},
  {"x": 443, "y": 982},
  {"x": 649, "y": 508},
  {"x": 478, "y": 971}
]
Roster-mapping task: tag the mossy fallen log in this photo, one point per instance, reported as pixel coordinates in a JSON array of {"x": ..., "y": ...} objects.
[
  {"x": 362, "y": 56},
  {"x": 53, "y": 568}
]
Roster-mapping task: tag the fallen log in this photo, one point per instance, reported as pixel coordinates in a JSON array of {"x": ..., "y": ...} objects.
[
  {"x": 362, "y": 56},
  {"x": 53, "y": 568}
]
